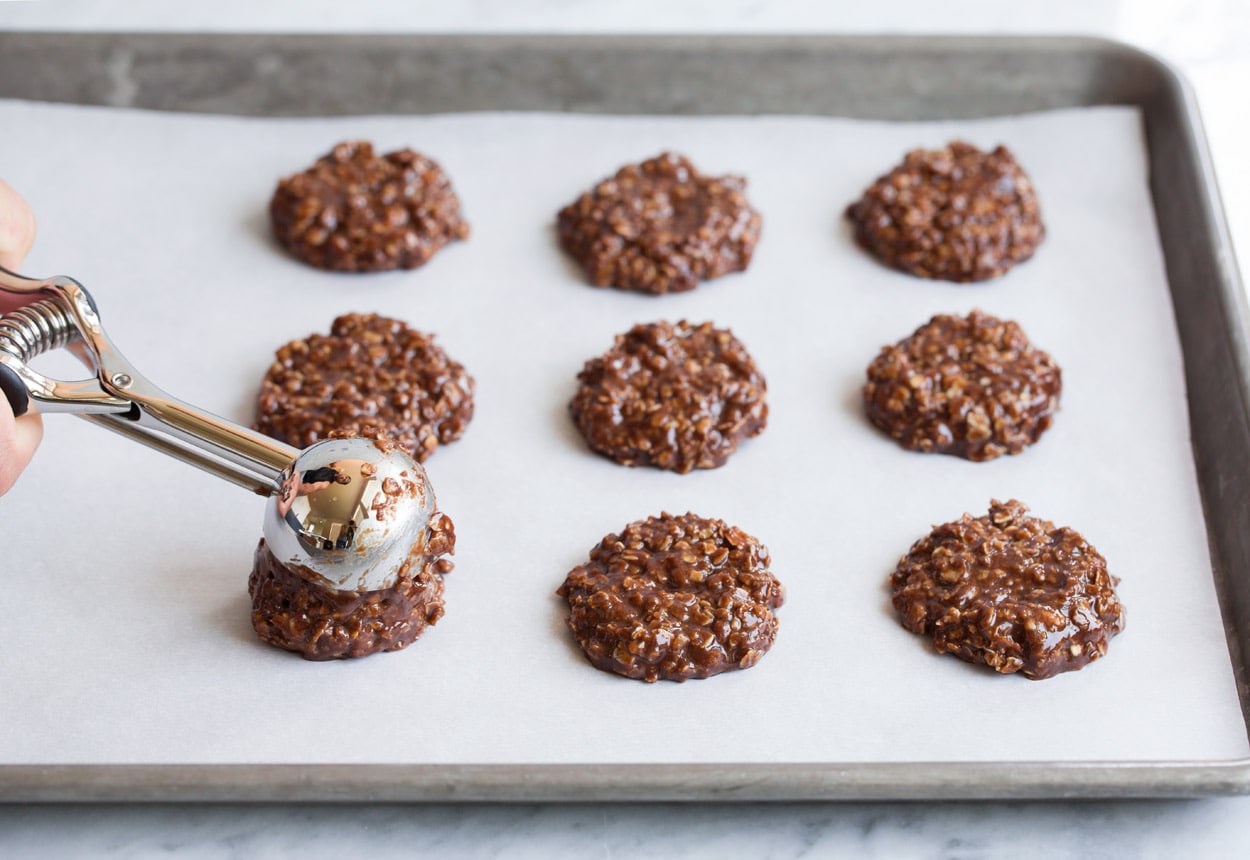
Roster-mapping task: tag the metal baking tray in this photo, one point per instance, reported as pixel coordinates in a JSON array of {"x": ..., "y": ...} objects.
[{"x": 899, "y": 78}]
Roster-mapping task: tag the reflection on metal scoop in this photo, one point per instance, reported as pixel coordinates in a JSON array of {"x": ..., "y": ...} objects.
[{"x": 349, "y": 511}]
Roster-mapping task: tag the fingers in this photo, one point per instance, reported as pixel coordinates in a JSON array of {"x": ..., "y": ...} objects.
[
  {"x": 18, "y": 437},
  {"x": 17, "y": 227},
  {"x": 18, "y": 440}
]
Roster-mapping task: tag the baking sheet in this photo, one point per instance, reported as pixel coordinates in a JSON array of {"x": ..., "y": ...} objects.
[{"x": 139, "y": 650}]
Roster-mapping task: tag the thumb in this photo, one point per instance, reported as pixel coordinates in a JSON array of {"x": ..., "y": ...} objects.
[
  {"x": 17, "y": 227},
  {"x": 18, "y": 440},
  {"x": 18, "y": 437}
]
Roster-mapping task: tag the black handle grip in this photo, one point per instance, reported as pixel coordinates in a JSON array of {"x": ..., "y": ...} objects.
[{"x": 14, "y": 390}]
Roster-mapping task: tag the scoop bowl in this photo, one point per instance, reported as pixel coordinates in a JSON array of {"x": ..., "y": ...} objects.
[{"x": 348, "y": 513}]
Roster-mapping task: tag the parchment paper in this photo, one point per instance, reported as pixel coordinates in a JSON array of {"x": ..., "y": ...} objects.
[{"x": 126, "y": 635}]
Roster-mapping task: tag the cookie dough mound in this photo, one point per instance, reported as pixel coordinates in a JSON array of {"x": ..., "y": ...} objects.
[
  {"x": 970, "y": 386},
  {"x": 953, "y": 214},
  {"x": 369, "y": 371},
  {"x": 291, "y": 610},
  {"x": 674, "y": 598},
  {"x": 354, "y": 211},
  {"x": 1010, "y": 591},
  {"x": 660, "y": 227},
  {"x": 676, "y": 397}
]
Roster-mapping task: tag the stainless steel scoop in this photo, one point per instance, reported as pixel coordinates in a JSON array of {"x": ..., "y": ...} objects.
[{"x": 350, "y": 511}]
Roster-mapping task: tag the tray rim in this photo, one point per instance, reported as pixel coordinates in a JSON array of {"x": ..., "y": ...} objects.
[
  {"x": 723, "y": 781},
  {"x": 573, "y": 783}
]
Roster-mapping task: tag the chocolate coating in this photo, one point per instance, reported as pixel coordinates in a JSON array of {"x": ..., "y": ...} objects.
[
  {"x": 354, "y": 211},
  {"x": 674, "y": 597},
  {"x": 1011, "y": 591},
  {"x": 292, "y": 611},
  {"x": 369, "y": 371},
  {"x": 970, "y": 386},
  {"x": 954, "y": 214},
  {"x": 660, "y": 227},
  {"x": 677, "y": 397}
]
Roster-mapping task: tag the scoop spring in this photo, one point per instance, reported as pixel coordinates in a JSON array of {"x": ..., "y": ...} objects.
[{"x": 35, "y": 329}]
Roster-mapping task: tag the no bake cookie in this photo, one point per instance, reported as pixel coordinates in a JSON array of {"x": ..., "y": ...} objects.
[
  {"x": 674, "y": 598},
  {"x": 292, "y": 608},
  {"x": 368, "y": 371},
  {"x": 954, "y": 214},
  {"x": 970, "y": 386},
  {"x": 660, "y": 227},
  {"x": 356, "y": 211},
  {"x": 674, "y": 396},
  {"x": 1012, "y": 591}
]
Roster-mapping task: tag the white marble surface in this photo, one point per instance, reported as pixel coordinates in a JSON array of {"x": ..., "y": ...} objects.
[
  {"x": 1207, "y": 38},
  {"x": 963, "y": 831}
]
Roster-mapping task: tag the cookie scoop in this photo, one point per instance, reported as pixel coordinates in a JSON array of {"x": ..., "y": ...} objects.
[{"x": 351, "y": 510}]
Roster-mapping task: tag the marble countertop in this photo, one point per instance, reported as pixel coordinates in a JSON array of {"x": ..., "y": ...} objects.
[{"x": 1206, "y": 39}]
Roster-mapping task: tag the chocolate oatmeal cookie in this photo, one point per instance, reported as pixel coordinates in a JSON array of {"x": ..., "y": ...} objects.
[
  {"x": 954, "y": 214},
  {"x": 292, "y": 610},
  {"x": 677, "y": 397},
  {"x": 369, "y": 370},
  {"x": 971, "y": 386},
  {"x": 674, "y": 598},
  {"x": 354, "y": 211},
  {"x": 660, "y": 227},
  {"x": 1010, "y": 591}
]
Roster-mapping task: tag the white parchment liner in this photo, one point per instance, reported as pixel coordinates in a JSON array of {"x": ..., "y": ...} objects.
[{"x": 126, "y": 634}]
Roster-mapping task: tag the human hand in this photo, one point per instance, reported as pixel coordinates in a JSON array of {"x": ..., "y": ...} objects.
[{"x": 18, "y": 437}]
